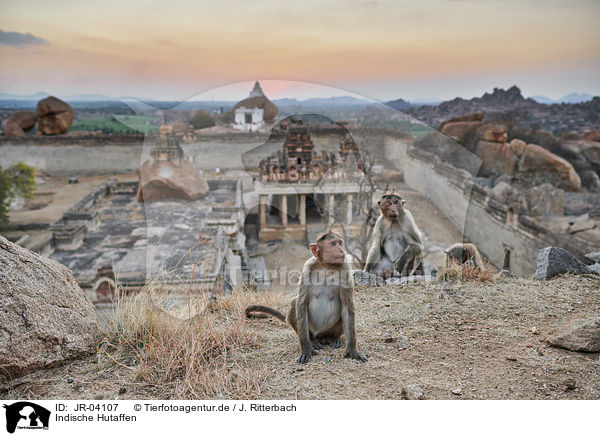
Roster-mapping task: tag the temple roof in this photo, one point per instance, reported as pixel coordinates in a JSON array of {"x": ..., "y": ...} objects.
[{"x": 257, "y": 99}]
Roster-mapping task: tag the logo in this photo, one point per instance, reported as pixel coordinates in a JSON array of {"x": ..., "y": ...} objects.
[{"x": 26, "y": 415}]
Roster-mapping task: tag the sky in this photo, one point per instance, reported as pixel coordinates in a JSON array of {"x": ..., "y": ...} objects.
[{"x": 427, "y": 49}]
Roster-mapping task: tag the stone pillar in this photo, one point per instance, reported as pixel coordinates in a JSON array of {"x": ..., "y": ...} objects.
[
  {"x": 331, "y": 205},
  {"x": 262, "y": 200},
  {"x": 283, "y": 210},
  {"x": 302, "y": 210},
  {"x": 349, "y": 211}
]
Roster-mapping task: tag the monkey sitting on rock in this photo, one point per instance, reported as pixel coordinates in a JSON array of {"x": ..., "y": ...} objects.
[
  {"x": 323, "y": 309},
  {"x": 397, "y": 246}
]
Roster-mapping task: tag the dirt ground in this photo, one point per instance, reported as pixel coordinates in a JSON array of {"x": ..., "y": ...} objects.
[{"x": 446, "y": 340}]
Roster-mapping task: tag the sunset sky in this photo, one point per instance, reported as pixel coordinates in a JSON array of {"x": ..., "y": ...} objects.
[{"x": 434, "y": 49}]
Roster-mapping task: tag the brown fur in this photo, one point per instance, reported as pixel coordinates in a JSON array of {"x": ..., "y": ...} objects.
[
  {"x": 397, "y": 245},
  {"x": 323, "y": 311}
]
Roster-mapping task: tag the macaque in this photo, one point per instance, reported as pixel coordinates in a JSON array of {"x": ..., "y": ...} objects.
[
  {"x": 397, "y": 246},
  {"x": 323, "y": 309},
  {"x": 461, "y": 253}
]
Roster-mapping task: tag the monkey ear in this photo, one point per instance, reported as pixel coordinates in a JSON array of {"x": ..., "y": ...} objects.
[
  {"x": 403, "y": 202},
  {"x": 314, "y": 249}
]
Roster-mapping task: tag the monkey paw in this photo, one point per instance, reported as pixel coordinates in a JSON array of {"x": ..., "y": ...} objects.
[
  {"x": 304, "y": 357},
  {"x": 355, "y": 355}
]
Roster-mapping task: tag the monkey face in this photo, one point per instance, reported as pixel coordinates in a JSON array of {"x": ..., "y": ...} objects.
[
  {"x": 329, "y": 251},
  {"x": 391, "y": 206}
]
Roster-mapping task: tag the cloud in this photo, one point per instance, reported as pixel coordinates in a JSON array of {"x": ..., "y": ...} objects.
[{"x": 20, "y": 40}]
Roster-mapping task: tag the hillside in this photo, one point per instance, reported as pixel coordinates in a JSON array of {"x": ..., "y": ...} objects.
[
  {"x": 511, "y": 106},
  {"x": 436, "y": 341}
]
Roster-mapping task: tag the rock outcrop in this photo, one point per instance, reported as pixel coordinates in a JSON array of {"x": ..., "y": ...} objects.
[
  {"x": 577, "y": 334},
  {"x": 160, "y": 180},
  {"x": 553, "y": 261},
  {"x": 54, "y": 116},
  {"x": 45, "y": 317}
]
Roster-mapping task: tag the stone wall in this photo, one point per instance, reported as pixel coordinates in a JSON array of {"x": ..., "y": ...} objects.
[{"x": 490, "y": 225}]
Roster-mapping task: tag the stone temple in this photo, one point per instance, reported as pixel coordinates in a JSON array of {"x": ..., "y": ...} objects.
[
  {"x": 255, "y": 112},
  {"x": 298, "y": 182}
]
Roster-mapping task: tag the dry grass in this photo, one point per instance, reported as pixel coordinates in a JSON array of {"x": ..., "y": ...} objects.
[
  {"x": 467, "y": 272},
  {"x": 184, "y": 352},
  {"x": 488, "y": 339}
]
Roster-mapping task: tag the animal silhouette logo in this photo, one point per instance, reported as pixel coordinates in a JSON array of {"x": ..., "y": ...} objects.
[{"x": 26, "y": 415}]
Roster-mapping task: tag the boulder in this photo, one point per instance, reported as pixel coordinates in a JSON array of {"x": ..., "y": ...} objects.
[
  {"x": 161, "y": 180},
  {"x": 13, "y": 129},
  {"x": 545, "y": 200},
  {"x": 460, "y": 129},
  {"x": 577, "y": 334},
  {"x": 517, "y": 147},
  {"x": 593, "y": 256},
  {"x": 553, "y": 261},
  {"x": 492, "y": 133},
  {"x": 24, "y": 119},
  {"x": 476, "y": 116},
  {"x": 593, "y": 135},
  {"x": 45, "y": 317},
  {"x": 54, "y": 116},
  {"x": 541, "y": 165},
  {"x": 496, "y": 157},
  {"x": 590, "y": 180},
  {"x": 582, "y": 223}
]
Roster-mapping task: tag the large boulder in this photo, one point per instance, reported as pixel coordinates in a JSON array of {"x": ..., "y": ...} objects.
[
  {"x": 19, "y": 122},
  {"x": 577, "y": 334},
  {"x": 45, "y": 317},
  {"x": 518, "y": 147},
  {"x": 496, "y": 158},
  {"x": 476, "y": 116},
  {"x": 492, "y": 133},
  {"x": 13, "y": 129},
  {"x": 460, "y": 130},
  {"x": 540, "y": 165},
  {"x": 553, "y": 261},
  {"x": 162, "y": 180},
  {"x": 54, "y": 116},
  {"x": 24, "y": 119}
]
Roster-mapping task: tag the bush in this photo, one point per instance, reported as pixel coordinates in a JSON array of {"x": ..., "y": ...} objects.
[
  {"x": 15, "y": 181},
  {"x": 202, "y": 120}
]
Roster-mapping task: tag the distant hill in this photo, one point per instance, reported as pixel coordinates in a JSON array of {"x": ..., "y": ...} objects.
[
  {"x": 570, "y": 98},
  {"x": 510, "y": 106}
]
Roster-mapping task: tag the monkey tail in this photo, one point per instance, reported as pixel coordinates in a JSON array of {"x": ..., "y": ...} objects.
[{"x": 264, "y": 309}]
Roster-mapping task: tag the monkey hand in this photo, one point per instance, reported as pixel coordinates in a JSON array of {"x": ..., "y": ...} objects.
[
  {"x": 353, "y": 354},
  {"x": 304, "y": 357}
]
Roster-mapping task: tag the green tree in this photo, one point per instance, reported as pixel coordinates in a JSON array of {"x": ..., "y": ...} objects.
[
  {"x": 17, "y": 180},
  {"x": 202, "y": 119}
]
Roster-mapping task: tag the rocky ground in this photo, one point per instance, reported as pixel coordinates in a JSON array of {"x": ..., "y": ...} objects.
[{"x": 431, "y": 341}]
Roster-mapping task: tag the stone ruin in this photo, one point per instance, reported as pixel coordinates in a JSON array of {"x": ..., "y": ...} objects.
[
  {"x": 169, "y": 174},
  {"x": 298, "y": 161}
]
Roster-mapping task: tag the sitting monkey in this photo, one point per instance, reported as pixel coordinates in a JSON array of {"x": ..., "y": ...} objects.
[
  {"x": 323, "y": 309},
  {"x": 463, "y": 253},
  {"x": 397, "y": 245}
]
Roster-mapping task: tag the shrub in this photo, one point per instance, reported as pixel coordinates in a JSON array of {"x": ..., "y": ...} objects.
[
  {"x": 201, "y": 120},
  {"x": 15, "y": 181}
]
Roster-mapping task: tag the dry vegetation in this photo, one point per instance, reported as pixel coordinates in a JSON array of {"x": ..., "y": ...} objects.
[{"x": 468, "y": 340}]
